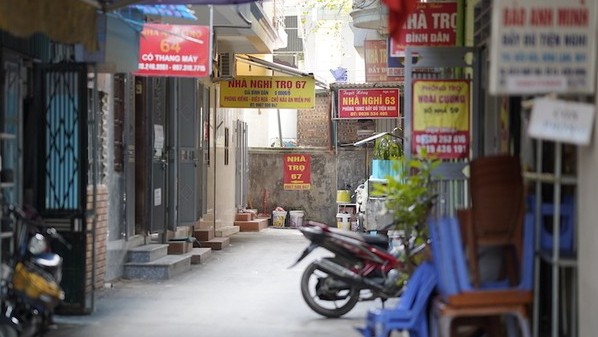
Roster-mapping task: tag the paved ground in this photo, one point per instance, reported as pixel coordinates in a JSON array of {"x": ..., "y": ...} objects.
[{"x": 245, "y": 290}]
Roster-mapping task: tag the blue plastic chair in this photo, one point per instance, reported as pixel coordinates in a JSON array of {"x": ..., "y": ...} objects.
[
  {"x": 459, "y": 262},
  {"x": 411, "y": 311},
  {"x": 566, "y": 227},
  {"x": 459, "y": 298}
]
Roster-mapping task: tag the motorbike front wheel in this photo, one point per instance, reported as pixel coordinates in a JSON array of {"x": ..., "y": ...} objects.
[
  {"x": 8, "y": 331},
  {"x": 325, "y": 294}
]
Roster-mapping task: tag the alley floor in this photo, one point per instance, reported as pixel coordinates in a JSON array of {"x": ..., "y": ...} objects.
[{"x": 245, "y": 290}]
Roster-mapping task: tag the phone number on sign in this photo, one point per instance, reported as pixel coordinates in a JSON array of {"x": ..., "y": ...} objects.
[{"x": 174, "y": 67}]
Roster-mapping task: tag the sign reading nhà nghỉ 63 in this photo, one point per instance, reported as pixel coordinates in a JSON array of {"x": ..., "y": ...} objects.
[
  {"x": 441, "y": 118},
  {"x": 368, "y": 103},
  {"x": 174, "y": 50},
  {"x": 282, "y": 92},
  {"x": 297, "y": 172}
]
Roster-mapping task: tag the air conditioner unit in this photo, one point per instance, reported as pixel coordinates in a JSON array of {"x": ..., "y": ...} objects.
[{"x": 226, "y": 66}]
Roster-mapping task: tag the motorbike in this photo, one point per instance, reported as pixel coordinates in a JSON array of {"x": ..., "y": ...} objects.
[
  {"x": 364, "y": 267},
  {"x": 30, "y": 278}
]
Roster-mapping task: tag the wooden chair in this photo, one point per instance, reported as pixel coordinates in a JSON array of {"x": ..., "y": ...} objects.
[{"x": 496, "y": 216}]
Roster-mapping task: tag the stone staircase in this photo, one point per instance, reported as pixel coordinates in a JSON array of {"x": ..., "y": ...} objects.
[
  {"x": 156, "y": 261},
  {"x": 152, "y": 262},
  {"x": 249, "y": 222},
  {"x": 214, "y": 234}
]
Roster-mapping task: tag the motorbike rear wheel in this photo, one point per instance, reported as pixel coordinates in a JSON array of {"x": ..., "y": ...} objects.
[{"x": 325, "y": 294}]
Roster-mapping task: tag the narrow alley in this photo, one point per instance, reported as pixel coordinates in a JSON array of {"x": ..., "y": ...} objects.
[{"x": 249, "y": 292}]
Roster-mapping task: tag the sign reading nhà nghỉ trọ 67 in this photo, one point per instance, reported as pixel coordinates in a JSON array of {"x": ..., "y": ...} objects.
[
  {"x": 562, "y": 121},
  {"x": 297, "y": 172},
  {"x": 174, "y": 50},
  {"x": 268, "y": 92},
  {"x": 368, "y": 103},
  {"x": 541, "y": 47}
]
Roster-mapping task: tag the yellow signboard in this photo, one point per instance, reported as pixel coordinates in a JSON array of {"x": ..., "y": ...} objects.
[
  {"x": 441, "y": 104},
  {"x": 441, "y": 118},
  {"x": 268, "y": 92}
]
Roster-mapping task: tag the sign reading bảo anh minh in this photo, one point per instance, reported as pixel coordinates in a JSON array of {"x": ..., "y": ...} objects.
[
  {"x": 368, "y": 103},
  {"x": 297, "y": 172},
  {"x": 441, "y": 118},
  {"x": 540, "y": 46},
  {"x": 265, "y": 92},
  {"x": 174, "y": 50}
]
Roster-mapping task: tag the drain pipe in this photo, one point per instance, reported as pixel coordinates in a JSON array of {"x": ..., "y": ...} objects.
[{"x": 279, "y": 127}]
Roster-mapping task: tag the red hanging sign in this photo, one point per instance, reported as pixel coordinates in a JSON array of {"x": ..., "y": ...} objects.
[
  {"x": 431, "y": 24},
  {"x": 297, "y": 172},
  {"x": 174, "y": 50},
  {"x": 368, "y": 103}
]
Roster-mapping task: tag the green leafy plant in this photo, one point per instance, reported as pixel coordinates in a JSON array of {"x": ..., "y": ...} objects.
[
  {"x": 388, "y": 147},
  {"x": 410, "y": 198}
]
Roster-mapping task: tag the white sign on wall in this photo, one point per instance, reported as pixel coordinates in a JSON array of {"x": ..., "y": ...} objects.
[
  {"x": 562, "y": 121},
  {"x": 540, "y": 47}
]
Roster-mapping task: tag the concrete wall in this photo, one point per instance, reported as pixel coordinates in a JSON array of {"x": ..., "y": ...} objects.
[
  {"x": 588, "y": 232},
  {"x": 329, "y": 172}
]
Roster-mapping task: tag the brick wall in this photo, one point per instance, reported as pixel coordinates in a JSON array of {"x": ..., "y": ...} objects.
[
  {"x": 101, "y": 236},
  {"x": 313, "y": 125}
]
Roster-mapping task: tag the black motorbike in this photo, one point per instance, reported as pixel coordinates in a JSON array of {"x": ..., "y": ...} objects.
[
  {"x": 30, "y": 278},
  {"x": 364, "y": 267}
]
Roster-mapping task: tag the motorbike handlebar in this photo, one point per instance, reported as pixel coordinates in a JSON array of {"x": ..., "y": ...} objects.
[{"x": 32, "y": 218}]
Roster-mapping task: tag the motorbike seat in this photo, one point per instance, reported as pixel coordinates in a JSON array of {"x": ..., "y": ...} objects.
[
  {"x": 374, "y": 240},
  {"x": 47, "y": 259}
]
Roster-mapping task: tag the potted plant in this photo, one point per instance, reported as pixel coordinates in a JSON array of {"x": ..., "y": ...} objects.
[
  {"x": 410, "y": 196},
  {"x": 387, "y": 150}
]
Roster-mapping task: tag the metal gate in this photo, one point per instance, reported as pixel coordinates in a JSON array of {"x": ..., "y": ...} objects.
[
  {"x": 447, "y": 63},
  {"x": 242, "y": 166},
  {"x": 187, "y": 116},
  {"x": 62, "y": 171}
]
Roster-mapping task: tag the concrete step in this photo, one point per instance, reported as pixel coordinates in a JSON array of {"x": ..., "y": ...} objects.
[
  {"x": 207, "y": 224},
  {"x": 163, "y": 268},
  {"x": 203, "y": 234},
  {"x": 252, "y": 225},
  {"x": 226, "y": 231},
  {"x": 147, "y": 253},
  {"x": 183, "y": 246},
  {"x": 244, "y": 216},
  {"x": 216, "y": 243},
  {"x": 200, "y": 255}
]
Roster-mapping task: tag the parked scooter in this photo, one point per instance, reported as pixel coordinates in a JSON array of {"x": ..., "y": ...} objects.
[
  {"x": 30, "y": 278},
  {"x": 362, "y": 269}
]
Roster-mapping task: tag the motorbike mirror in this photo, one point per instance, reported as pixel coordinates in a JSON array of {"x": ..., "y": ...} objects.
[{"x": 54, "y": 233}]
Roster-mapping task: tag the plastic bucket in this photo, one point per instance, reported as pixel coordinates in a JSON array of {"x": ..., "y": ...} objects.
[
  {"x": 278, "y": 218},
  {"x": 343, "y": 221},
  {"x": 343, "y": 196},
  {"x": 296, "y": 219}
]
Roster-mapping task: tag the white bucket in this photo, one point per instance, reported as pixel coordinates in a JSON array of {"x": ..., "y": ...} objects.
[
  {"x": 296, "y": 219},
  {"x": 343, "y": 221},
  {"x": 278, "y": 218}
]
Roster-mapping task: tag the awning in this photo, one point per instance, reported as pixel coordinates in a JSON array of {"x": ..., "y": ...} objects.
[
  {"x": 175, "y": 11},
  {"x": 65, "y": 21},
  {"x": 279, "y": 68}
]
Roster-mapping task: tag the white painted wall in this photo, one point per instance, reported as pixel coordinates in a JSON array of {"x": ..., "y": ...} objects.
[{"x": 587, "y": 223}]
